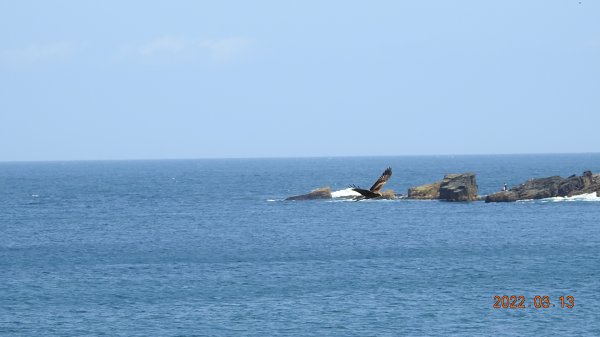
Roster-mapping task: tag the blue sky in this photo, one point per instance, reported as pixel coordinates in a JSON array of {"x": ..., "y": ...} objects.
[{"x": 205, "y": 79}]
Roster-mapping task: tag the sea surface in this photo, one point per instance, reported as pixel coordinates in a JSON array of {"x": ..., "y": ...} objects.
[{"x": 209, "y": 248}]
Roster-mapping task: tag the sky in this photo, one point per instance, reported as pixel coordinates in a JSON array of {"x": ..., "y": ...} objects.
[{"x": 95, "y": 80}]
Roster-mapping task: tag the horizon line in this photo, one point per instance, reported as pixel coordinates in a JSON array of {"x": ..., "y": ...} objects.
[{"x": 295, "y": 157}]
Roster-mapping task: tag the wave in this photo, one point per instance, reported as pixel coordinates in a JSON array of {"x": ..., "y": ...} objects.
[
  {"x": 581, "y": 197},
  {"x": 345, "y": 194}
]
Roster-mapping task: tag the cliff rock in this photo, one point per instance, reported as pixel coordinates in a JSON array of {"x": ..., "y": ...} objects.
[
  {"x": 459, "y": 187},
  {"x": 454, "y": 187},
  {"x": 549, "y": 187}
]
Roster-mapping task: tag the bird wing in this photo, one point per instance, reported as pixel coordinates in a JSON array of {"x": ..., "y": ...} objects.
[
  {"x": 382, "y": 180},
  {"x": 365, "y": 193}
]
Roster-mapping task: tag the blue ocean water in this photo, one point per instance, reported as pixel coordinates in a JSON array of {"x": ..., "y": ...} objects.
[{"x": 209, "y": 248}]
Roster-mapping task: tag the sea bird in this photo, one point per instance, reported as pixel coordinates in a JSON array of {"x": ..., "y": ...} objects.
[{"x": 375, "y": 190}]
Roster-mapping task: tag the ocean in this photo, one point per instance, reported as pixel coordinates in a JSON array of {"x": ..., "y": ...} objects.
[{"x": 210, "y": 248}]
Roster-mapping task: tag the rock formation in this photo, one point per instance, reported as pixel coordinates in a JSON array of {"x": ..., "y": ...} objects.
[
  {"x": 425, "y": 192},
  {"x": 459, "y": 187},
  {"x": 454, "y": 187},
  {"x": 549, "y": 187},
  {"x": 389, "y": 194},
  {"x": 319, "y": 193}
]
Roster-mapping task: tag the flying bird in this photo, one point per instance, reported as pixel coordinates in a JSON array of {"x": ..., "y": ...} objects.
[{"x": 375, "y": 190}]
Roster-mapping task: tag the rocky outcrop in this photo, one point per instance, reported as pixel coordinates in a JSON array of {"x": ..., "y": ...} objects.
[
  {"x": 549, "y": 187},
  {"x": 319, "y": 193},
  {"x": 454, "y": 187},
  {"x": 575, "y": 185},
  {"x": 425, "y": 192},
  {"x": 504, "y": 196},
  {"x": 459, "y": 187},
  {"x": 389, "y": 194}
]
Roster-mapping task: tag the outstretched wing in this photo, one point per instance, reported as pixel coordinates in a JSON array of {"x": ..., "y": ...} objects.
[
  {"x": 365, "y": 193},
  {"x": 382, "y": 180}
]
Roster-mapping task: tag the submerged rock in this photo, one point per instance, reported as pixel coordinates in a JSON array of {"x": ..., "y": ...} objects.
[
  {"x": 454, "y": 187},
  {"x": 549, "y": 187},
  {"x": 319, "y": 193}
]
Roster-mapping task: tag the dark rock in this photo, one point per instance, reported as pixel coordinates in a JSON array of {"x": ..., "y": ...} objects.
[
  {"x": 539, "y": 188},
  {"x": 504, "y": 196},
  {"x": 454, "y": 187},
  {"x": 573, "y": 184},
  {"x": 319, "y": 193},
  {"x": 459, "y": 187},
  {"x": 549, "y": 187}
]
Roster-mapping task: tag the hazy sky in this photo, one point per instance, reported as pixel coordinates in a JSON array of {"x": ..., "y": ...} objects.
[{"x": 196, "y": 79}]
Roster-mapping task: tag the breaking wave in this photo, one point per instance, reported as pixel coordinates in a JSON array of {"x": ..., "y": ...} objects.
[
  {"x": 345, "y": 194},
  {"x": 582, "y": 197}
]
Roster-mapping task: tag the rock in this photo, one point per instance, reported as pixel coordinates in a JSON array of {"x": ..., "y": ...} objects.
[
  {"x": 388, "y": 194},
  {"x": 454, "y": 187},
  {"x": 549, "y": 187},
  {"x": 574, "y": 184},
  {"x": 459, "y": 187},
  {"x": 504, "y": 196},
  {"x": 319, "y": 193},
  {"x": 429, "y": 191},
  {"x": 539, "y": 188}
]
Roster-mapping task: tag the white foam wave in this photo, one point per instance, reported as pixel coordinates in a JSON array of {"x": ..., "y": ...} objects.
[
  {"x": 582, "y": 197},
  {"x": 345, "y": 193}
]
